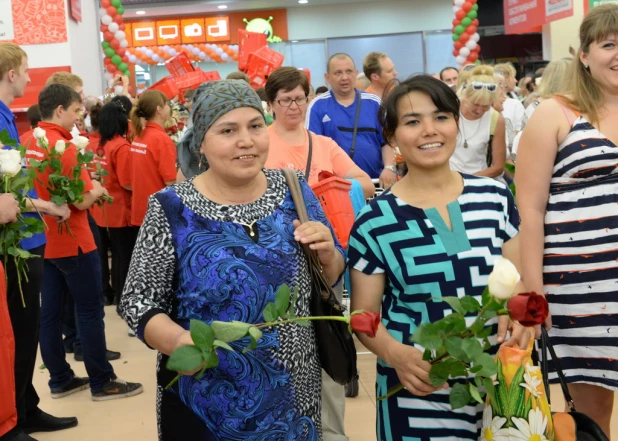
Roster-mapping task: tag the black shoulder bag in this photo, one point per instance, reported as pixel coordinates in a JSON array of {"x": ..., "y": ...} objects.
[
  {"x": 309, "y": 156},
  {"x": 355, "y": 132},
  {"x": 334, "y": 340}
]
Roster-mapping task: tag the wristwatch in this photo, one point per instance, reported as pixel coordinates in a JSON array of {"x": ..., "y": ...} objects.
[{"x": 392, "y": 168}]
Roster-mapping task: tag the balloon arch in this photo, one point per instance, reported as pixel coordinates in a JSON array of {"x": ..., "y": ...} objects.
[{"x": 465, "y": 36}]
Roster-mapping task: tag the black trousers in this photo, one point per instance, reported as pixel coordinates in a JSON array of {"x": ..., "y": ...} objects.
[
  {"x": 123, "y": 241},
  {"x": 26, "y": 323},
  {"x": 104, "y": 245}
]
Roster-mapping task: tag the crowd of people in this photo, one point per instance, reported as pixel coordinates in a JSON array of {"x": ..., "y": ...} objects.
[{"x": 203, "y": 226}]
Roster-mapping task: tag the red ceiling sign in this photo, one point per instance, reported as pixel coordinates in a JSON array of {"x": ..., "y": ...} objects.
[
  {"x": 75, "y": 6},
  {"x": 524, "y": 15}
]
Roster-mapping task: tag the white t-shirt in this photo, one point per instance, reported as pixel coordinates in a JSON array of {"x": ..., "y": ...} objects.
[
  {"x": 514, "y": 111},
  {"x": 472, "y": 159},
  {"x": 529, "y": 111}
]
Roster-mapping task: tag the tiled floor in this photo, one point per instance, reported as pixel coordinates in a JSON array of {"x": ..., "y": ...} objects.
[{"x": 133, "y": 419}]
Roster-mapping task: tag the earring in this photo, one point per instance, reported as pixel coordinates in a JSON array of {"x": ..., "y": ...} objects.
[
  {"x": 585, "y": 66},
  {"x": 201, "y": 161}
]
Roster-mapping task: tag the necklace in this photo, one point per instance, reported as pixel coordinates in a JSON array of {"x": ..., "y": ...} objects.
[
  {"x": 463, "y": 131},
  {"x": 249, "y": 227}
]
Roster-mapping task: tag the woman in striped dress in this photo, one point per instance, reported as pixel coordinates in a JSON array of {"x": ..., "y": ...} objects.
[
  {"x": 435, "y": 233},
  {"x": 567, "y": 193}
]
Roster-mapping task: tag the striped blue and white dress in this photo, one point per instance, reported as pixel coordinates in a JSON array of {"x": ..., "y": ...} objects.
[
  {"x": 423, "y": 259},
  {"x": 580, "y": 262}
]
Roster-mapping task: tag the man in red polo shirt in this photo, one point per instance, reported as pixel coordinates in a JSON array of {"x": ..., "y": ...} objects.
[{"x": 72, "y": 265}]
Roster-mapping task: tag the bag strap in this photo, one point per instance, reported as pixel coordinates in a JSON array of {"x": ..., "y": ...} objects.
[
  {"x": 545, "y": 347},
  {"x": 308, "y": 169},
  {"x": 494, "y": 122},
  {"x": 355, "y": 132}
]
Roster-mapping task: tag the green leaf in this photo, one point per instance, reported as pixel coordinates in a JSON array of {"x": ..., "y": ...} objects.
[
  {"x": 230, "y": 331},
  {"x": 58, "y": 200},
  {"x": 427, "y": 355},
  {"x": 486, "y": 297},
  {"x": 510, "y": 167},
  {"x": 271, "y": 313},
  {"x": 454, "y": 346},
  {"x": 255, "y": 333},
  {"x": 438, "y": 374},
  {"x": 282, "y": 301},
  {"x": 212, "y": 359},
  {"x": 222, "y": 345},
  {"x": 470, "y": 304},
  {"x": 474, "y": 392},
  {"x": 488, "y": 314},
  {"x": 455, "y": 303},
  {"x": 304, "y": 323},
  {"x": 472, "y": 348},
  {"x": 185, "y": 359},
  {"x": 488, "y": 364},
  {"x": 458, "y": 369},
  {"x": 490, "y": 388},
  {"x": 427, "y": 336},
  {"x": 460, "y": 396},
  {"x": 202, "y": 335},
  {"x": 456, "y": 322},
  {"x": 486, "y": 332}
]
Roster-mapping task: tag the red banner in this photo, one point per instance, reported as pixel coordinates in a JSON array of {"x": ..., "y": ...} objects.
[
  {"x": 75, "y": 6},
  {"x": 522, "y": 16}
]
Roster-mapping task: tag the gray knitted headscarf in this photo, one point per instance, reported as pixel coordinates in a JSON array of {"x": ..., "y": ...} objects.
[{"x": 212, "y": 100}]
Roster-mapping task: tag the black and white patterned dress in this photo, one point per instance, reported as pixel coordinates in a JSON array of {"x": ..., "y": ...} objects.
[{"x": 194, "y": 260}]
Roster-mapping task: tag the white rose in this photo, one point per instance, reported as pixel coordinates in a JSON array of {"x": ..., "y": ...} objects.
[
  {"x": 81, "y": 142},
  {"x": 60, "y": 146},
  {"x": 503, "y": 279},
  {"x": 39, "y": 133},
  {"x": 10, "y": 162}
]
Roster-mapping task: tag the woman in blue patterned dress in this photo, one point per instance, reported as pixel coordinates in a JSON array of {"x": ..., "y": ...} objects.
[
  {"x": 567, "y": 190},
  {"x": 217, "y": 247},
  {"x": 435, "y": 233}
]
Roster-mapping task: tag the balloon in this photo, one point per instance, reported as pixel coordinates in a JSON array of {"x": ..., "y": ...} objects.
[
  {"x": 120, "y": 10},
  {"x": 103, "y": 28},
  {"x": 173, "y": 52},
  {"x": 109, "y": 52},
  {"x": 459, "y": 2},
  {"x": 455, "y": 37},
  {"x": 125, "y": 58},
  {"x": 116, "y": 3},
  {"x": 111, "y": 11},
  {"x": 471, "y": 29},
  {"x": 110, "y": 67},
  {"x": 117, "y": 18},
  {"x": 132, "y": 59},
  {"x": 455, "y": 52},
  {"x": 458, "y": 45},
  {"x": 471, "y": 44},
  {"x": 106, "y": 19},
  {"x": 460, "y": 60},
  {"x": 464, "y": 37},
  {"x": 455, "y": 9},
  {"x": 467, "y": 6},
  {"x": 456, "y": 22},
  {"x": 459, "y": 29},
  {"x": 123, "y": 66},
  {"x": 104, "y": 44},
  {"x": 107, "y": 60},
  {"x": 108, "y": 76},
  {"x": 473, "y": 14},
  {"x": 476, "y": 37},
  {"x": 225, "y": 57},
  {"x": 195, "y": 51},
  {"x": 473, "y": 57},
  {"x": 116, "y": 59},
  {"x": 108, "y": 36},
  {"x": 202, "y": 56},
  {"x": 122, "y": 26},
  {"x": 477, "y": 49},
  {"x": 461, "y": 14},
  {"x": 114, "y": 44},
  {"x": 121, "y": 51},
  {"x": 464, "y": 51},
  {"x": 466, "y": 22},
  {"x": 119, "y": 35},
  {"x": 475, "y": 7},
  {"x": 102, "y": 12},
  {"x": 105, "y": 4},
  {"x": 110, "y": 82},
  {"x": 124, "y": 43}
]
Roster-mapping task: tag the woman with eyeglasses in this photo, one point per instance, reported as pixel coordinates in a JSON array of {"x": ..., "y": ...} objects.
[
  {"x": 481, "y": 145},
  {"x": 293, "y": 146}
]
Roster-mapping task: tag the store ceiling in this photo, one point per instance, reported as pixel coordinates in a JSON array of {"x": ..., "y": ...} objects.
[{"x": 156, "y": 8}]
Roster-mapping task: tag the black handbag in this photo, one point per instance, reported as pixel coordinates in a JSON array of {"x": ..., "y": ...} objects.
[
  {"x": 335, "y": 343},
  {"x": 572, "y": 425}
]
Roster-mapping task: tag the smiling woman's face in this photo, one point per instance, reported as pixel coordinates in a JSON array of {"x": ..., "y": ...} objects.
[{"x": 236, "y": 145}]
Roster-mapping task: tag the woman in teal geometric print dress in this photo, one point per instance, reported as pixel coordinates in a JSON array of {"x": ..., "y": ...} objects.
[{"x": 435, "y": 233}]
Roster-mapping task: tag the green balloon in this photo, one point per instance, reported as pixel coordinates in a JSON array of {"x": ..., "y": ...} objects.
[
  {"x": 459, "y": 29},
  {"x": 475, "y": 7},
  {"x": 109, "y": 52},
  {"x": 123, "y": 66},
  {"x": 126, "y": 73},
  {"x": 116, "y": 3},
  {"x": 120, "y": 10},
  {"x": 105, "y": 44},
  {"x": 466, "y": 22},
  {"x": 455, "y": 37},
  {"x": 116, "y": 59},
  {"x": 472, "y": 15}
]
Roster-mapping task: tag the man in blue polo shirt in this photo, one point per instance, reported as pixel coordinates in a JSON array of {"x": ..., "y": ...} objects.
[
  {"x": 337, "y": 113},
  {"x": 13, "y": 80}
]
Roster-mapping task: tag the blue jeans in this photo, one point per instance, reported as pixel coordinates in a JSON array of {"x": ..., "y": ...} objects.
[{"x": 80, "y": 276}]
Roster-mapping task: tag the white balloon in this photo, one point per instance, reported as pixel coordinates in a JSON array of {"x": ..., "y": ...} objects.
[
  {"x": 464, "y": 52},
  {"x": 102, "y": 12},
  {"x": 120, "y": 35},
  {"x": 106, "y": 19},
  {"x": 195, "y": 51},
  {"x": 173, "y": 52},
  {"x": 124, "y": 43},
  {"x": 132, "y": 58},
  {"x": 118, "y": 90},
  {"x": 202, "y": 56},
  {"x": 108, "y": 76},
  {"x": 460, "y": 60},
  {"x": 476, "y": 37},
  {"x": 149, "y": 52},
  {"x": 459, "y": 2},
  {"x": 225, "y": 57},
  {"x": 471, "y": 44},
  {"x": 110, "y": 82},
  {"x": 455, "y": 9},
  {"x": 113, "y": 27},
  {"x": 218, "y": 50},
  {"x": 156, "y": 58}
]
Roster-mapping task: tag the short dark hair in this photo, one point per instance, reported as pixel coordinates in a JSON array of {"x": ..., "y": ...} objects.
[
  {"x": 285, "y": 79},
  {"x": 123, "y": 101},
  {"x": 238, "y": 76},
  {"x": 56, "y": 95},
  {"x": 95, "y": 113},
  {"x": 442, "y": 96},
  {"x": 448, "y": 68},
  {"x": 261, "y": 92},
  {"x": 321, "y": 89},
  {"x": 113, "y": 121},
  {"x": 338, "y": 56},
  {"x": 371, "y": 63},
  {"x": 34, "y": 115}
]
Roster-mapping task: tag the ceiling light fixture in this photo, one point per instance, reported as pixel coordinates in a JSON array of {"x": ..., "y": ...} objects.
[
  {"x": 222, "y": 6},
  {"x": 302, "y": 2},
  {"x": 140, "y": 12}
]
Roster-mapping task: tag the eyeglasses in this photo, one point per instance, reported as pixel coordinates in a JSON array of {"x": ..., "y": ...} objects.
[
  {"x": 287, "y": 102},
  {"x": 477, "y": 85}
]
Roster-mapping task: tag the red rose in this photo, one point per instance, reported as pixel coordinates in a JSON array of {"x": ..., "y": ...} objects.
[
  {"x": 365, "y": 323},
  {"x": 528, "y": 308}
]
